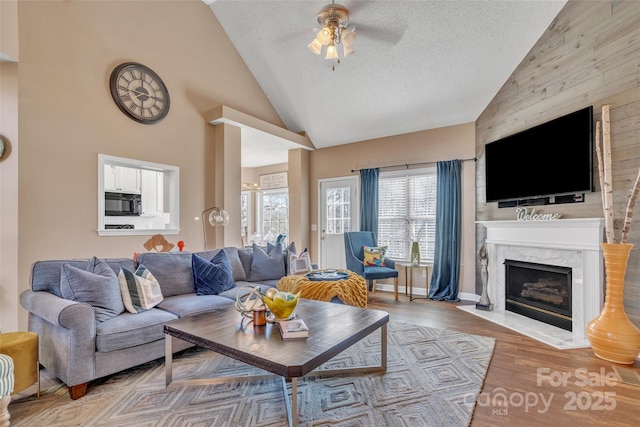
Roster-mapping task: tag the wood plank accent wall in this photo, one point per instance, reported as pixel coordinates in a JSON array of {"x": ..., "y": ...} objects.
[{"x": 589, "y": 55}]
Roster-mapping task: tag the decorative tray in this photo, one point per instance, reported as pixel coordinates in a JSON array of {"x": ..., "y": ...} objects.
[{"x": 326, "y": 275}]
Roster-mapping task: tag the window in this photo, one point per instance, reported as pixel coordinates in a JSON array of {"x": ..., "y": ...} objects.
[
  {"x": 338, "y": 210},
  {"x": 274, "y": 214},
  {"x": 245, "y": 214},
  {"x": 407, "y": 212}
]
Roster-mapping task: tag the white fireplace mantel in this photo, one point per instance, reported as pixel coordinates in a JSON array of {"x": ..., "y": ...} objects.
[
  {"x": 579, "y": 233},
  {"x": 571, "y": 243}
]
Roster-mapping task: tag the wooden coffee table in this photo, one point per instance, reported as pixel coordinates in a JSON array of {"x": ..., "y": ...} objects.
[{"x": 332, "y": 329}]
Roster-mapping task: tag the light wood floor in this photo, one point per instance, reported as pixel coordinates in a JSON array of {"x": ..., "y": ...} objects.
[{"x": 588, "y": 396}]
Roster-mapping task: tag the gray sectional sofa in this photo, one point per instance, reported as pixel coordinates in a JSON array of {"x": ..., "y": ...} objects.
[{"x": 77, "y": 348}]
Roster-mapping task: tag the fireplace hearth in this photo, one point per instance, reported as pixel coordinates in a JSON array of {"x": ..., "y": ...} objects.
[
  {"x": 571, "y": 243},
  {"x": 539, "y": 291}
]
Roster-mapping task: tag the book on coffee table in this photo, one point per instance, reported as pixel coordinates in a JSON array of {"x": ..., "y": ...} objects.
[{"x": 293, "y": 329}]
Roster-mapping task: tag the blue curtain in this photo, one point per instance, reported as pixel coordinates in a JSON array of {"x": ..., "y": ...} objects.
[
  {"x": 369, "y": 200},
  {"x": 446, "y": 263}
]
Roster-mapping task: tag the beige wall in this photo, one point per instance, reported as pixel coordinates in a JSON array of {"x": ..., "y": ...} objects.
[
  {"x": 252, "y": 175},
  {"x": 588, "y": 56},
  {"x": 9, "y": 29},
  {"x": 9, "y": 308},
  {"x": 448, "y": 143},
  {"x": 67, "y": 116}
]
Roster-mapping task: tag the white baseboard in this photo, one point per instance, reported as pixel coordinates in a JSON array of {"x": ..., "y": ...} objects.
[
  {"x": 469, "y": 296},
  {"x": 422, "y": 292},
  {"x": 384, "y": 287}
]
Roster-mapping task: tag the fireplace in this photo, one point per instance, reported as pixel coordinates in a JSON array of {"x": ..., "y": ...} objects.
[
  {"x": 571, "y": 243},
  {"x": 539, "y": 291}
]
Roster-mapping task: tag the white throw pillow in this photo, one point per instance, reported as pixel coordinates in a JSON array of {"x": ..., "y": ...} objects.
[
  {"x": 140, "y": 290},
  {"x": 299, "y": 264}
]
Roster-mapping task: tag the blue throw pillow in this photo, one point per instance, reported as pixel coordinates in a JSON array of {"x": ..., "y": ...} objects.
[
  {"x": 291, "y": 249},
  {"x": 212, "y": 277},
  {"x": 96, "y": 285},
  {"x": 267, "y": 266}
]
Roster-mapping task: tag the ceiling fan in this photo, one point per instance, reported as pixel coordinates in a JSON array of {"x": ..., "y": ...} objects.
[
  {"x": 334, "y": 20},
  {"x": 336, "y": 30}
]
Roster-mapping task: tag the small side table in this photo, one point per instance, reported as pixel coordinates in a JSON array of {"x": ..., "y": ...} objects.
[{"x": 408, "y": 272}]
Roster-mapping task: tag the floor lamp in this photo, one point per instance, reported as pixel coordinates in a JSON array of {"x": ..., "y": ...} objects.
[{"x": 217, "y": 217}]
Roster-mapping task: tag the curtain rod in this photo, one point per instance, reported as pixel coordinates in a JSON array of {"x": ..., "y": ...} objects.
[{"x": 407, "y": 165}]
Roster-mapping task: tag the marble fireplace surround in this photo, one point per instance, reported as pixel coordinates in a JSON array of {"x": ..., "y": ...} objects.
[{"x": 571, "y": 243}]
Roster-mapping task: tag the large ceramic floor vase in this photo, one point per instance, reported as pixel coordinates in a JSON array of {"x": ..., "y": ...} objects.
[{"x": 612, "y": 335}]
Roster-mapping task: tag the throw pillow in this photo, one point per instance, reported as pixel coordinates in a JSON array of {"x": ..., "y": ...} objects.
[
  {"x": 96, "y": 285},
  {"x": 374, "y": 256},
  {"x": 267, "y": 266},
  {"x": 140, "y": 289},
  {"x": 212, "y": 277},
  {"x": 291, "y": 249},
  {"x": 237, "y": 268},
  {"x": 299, "y": 264},
  {"x": 236, "y": 264}
]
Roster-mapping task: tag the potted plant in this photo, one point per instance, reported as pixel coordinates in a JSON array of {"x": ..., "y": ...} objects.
[
  {"x": 612, "y": 335},
  {"x": 415, "y": 235}
]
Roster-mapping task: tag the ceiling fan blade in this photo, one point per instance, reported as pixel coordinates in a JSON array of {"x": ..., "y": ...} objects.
[
  {"x": 390, "y": 36},
  {"x": 355, "y": 6}
]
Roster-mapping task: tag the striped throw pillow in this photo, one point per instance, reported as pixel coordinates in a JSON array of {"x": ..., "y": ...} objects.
[{"x": 140, "y": 289}]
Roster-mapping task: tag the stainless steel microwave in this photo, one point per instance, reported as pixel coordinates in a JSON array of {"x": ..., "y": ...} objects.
[{"x": 122, "y": 204}]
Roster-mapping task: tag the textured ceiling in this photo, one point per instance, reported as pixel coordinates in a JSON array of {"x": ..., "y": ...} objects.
[{"x": 417, "y": 65}]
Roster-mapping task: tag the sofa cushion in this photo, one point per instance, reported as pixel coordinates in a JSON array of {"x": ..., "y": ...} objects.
[
  {"x": 171, "y": 269},
  {"x": 45, "y": 275},
  {"x": 239, "y": 272},
  {"x": 266, "y": 266},
  {"x": 212, "y": 277},
  {"x": 186, "y": 304},
  {"x": 129, "y": 330},
  {"x": 96, "y": 284},
  {"x": 140, "y": 290}
]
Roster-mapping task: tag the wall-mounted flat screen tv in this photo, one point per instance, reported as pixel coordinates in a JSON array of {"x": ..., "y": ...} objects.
[{"x": 553, "y": 158}]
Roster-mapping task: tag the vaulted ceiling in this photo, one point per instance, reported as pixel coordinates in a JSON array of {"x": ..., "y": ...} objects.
[{"x": 418, "y": 64}]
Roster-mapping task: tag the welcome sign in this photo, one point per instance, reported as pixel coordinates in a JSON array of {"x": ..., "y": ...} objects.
[{"x": 523, "y": 214}]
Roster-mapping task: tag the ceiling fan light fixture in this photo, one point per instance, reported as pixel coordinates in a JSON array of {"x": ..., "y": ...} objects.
[
  {"x": 348, "y": 36},
  {"x": 334, "y": 19},
  {"x": 315, "y": 47},
  {"x": 347, "y": 50},
  {"x": 325, "y": 36},
  {"x": 332, "y": 52}
]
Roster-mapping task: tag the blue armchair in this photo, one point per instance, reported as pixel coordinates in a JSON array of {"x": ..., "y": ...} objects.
[{"x": 353, "y": 243}]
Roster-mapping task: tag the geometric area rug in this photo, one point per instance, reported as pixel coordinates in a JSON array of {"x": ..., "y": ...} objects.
[{"x": 433, "y": 378}]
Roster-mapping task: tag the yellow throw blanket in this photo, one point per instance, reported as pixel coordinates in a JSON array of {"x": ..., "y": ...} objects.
[{"x": 351, "y": 291}]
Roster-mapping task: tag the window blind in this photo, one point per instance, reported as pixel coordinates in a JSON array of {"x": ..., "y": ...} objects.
[{"x": 406, "y": 212}]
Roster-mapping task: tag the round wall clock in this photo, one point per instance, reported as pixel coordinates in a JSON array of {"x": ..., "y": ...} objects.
[{"x": 139, "y": 93}]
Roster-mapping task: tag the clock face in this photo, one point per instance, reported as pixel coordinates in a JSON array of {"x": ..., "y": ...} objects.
[{"x": 139, "y": 93}]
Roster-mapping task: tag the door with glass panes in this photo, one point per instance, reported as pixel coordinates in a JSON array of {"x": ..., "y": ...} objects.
[{"x": 338, "y": 214}]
